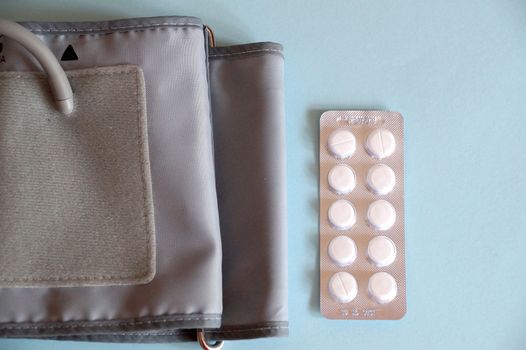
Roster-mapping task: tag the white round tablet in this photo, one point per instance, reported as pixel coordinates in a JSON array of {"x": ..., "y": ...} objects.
[
  {"x": 381, "y": 215},
  {"x": 380, "y": 179},
  {"x": 342, "y": 179},
  {"x": 381, "y": 251},
  {"x": 342, "y": 250},
  {"x": 342, "y": 143},
  {"x": 343, "y": 287},
  {"x": 380, "y": 143},
  {"x": 382, "y": 287},
  {"x": 342, "y": 214}
]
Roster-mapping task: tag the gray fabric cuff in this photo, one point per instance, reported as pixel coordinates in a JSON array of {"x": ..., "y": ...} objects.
[
  {"x": 247, "y": 94},
  {"x": 246, "y": 108},
  {"x": 186, "y": 289}
]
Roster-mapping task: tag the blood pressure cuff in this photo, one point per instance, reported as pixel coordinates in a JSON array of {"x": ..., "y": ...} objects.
[{"x": 158, "y": 207}]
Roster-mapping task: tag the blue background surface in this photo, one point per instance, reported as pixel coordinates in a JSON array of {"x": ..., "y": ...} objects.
[{"x": 457, "y": 71}]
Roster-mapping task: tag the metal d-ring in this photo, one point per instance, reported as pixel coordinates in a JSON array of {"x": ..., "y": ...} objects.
[
  {"x": 211, "y": 36},
  {"x": 204, "y": 344},
  {"x": 58, "y": 80}
]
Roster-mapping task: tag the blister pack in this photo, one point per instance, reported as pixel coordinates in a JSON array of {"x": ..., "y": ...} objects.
[{"x": 362, "y": 249}]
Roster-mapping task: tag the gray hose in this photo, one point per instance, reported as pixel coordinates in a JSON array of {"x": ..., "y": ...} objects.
[{"x": 58, "y": 80}]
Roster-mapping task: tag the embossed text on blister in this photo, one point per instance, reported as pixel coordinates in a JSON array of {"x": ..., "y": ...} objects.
[{"x": 359, "y": 120}]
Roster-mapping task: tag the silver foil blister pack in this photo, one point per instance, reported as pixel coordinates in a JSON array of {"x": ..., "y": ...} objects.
[{"x": 362, "y": 248}]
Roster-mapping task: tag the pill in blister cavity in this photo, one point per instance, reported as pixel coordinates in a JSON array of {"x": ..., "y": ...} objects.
[
  {"x": 342, "y": 179},
  {"x": 342, "y": 143},
  {"x": 342, "y": 214},
  {"x": 343, "y": 287},
  {"x": 342, "y": 250},
  {"x": 380, "y": 143},
  {"x": 381, "y": 179},
  {"x": 381, "y": 215},
  {"x": 382, "y": 287},
  {"x": 381, "y": 251}
]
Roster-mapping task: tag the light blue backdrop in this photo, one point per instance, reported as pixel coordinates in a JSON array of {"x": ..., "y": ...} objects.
[{"x": 457, "y": 71}]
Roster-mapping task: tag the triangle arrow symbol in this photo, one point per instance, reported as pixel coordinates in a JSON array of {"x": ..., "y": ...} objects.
[{"x": 69, "y": 54}]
